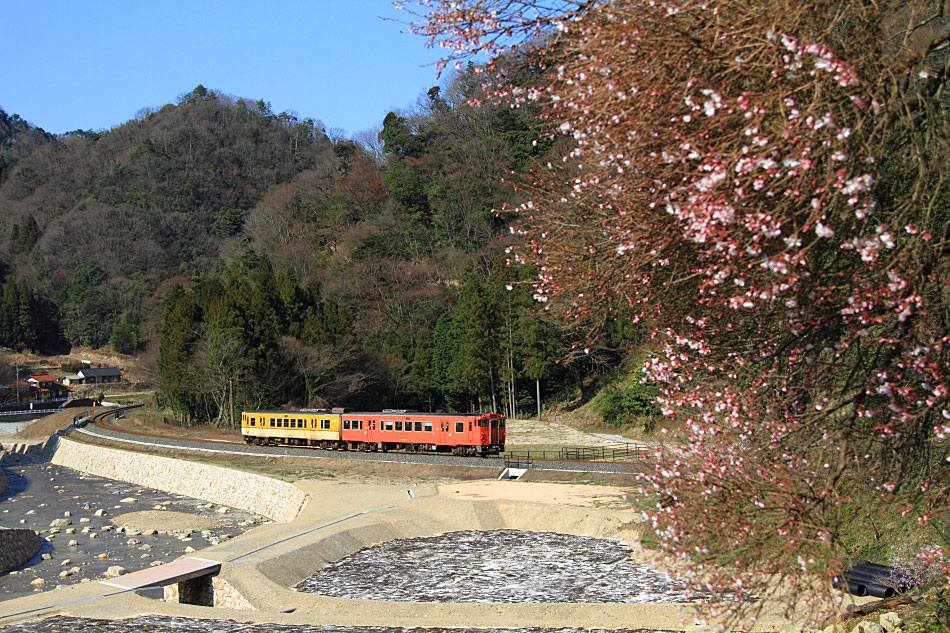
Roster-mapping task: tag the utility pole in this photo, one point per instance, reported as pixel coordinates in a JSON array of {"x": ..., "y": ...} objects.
[{"x": 17, "y": 383}]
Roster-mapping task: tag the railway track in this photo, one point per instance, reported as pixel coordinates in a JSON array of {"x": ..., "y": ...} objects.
[{"x": 102, "y": 426}]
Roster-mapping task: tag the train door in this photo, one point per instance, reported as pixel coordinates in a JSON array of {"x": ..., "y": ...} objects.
[{"x": 495, "y": 431}]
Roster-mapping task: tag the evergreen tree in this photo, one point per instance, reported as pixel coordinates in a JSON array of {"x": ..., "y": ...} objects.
[{"x": 180, "y": 332}]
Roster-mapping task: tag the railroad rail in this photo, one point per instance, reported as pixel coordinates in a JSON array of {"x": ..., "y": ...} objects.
[{"x": 101, "y": 426}]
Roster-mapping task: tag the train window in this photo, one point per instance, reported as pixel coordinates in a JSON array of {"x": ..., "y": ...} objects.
[
  {"x": 418, "y": 426},
  {"x": 293, "y": 423},
  {"x": 469, "y": 426},
  {"x": 501, "y": 423},
  {"x": 483, "y": 423},
  {"x": 459, "y": 427},
  {"x": 428, "y": 427},
  {"x": 389, "y": 425},
  {"x": 346, "y": 425},
  {"x": 408, "y": 425},
  {"x": 398, "y": 425},
  {"x": 358, "y": 423},
  {"x": 324, "y": 424}
]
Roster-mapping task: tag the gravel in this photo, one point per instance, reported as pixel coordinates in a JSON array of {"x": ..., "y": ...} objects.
[
  {"x": 403, "y": 458},
  {"x": 160, "y": 624},
  {"x": 500, "y": 566}
]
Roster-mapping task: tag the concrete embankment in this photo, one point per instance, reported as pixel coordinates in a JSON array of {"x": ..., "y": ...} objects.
[
  {"x": 17, "y": 547},
  {"x": 4, "y": 483},
  {"x": 275, "y": 499}
]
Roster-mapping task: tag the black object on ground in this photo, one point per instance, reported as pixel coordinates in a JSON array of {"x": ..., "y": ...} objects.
[{"x": 872, "y": 579}]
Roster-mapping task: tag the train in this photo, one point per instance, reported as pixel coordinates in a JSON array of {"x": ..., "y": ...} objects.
[{"x": 463, "y": 434}]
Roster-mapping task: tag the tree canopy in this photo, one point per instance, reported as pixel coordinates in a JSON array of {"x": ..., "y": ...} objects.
[{"x": 764, "y": 185}]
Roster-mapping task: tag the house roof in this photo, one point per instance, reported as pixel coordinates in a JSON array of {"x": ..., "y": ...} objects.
[
  {"x": 98, "y": 371},
  {"x": 42, "y": 377}
]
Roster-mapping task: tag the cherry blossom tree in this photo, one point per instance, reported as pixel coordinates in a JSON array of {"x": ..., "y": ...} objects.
[{"x": 765, "y": 185}]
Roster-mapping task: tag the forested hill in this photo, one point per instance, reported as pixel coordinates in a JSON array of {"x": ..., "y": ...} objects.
[{"x": 388, "y": 248}]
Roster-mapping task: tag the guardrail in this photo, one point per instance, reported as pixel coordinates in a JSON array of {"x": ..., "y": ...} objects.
[{"x": 620, "y": 453}]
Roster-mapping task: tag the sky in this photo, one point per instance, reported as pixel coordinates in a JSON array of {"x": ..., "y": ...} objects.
[{"x": 93, "y": 64}]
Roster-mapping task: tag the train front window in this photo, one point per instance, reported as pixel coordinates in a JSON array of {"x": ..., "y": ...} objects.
[{"x": 483, "y": 423}]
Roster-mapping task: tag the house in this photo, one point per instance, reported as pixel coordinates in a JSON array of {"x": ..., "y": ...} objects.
[
  {"x": 46, "y": 387},
  {"x": 90, "y": 376}
]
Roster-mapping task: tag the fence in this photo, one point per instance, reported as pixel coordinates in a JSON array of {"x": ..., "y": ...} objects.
[{"x": 617, "y": 453}]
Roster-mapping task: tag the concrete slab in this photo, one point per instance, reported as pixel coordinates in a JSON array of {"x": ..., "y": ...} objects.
[{"x": 176, "y": 571}]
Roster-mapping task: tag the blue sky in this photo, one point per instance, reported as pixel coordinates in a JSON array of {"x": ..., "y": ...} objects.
[{"x": 93, "y": 64}]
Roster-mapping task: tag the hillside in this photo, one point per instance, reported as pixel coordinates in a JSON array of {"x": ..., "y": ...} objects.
[{"x": 340, "y": 272}]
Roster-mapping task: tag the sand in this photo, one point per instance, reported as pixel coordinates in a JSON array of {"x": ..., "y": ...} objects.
[{"x": 560, "y": 494}]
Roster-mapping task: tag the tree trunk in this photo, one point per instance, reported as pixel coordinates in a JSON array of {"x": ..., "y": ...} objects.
[{"x": 537, "y": 384}]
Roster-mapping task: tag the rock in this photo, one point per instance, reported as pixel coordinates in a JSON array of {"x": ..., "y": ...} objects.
[
  {"x": 86, "y": 530},
  {"x": 146, "y": 547},
  {"x": 102, "y": 556},
  {"x": 37, "y": 582},
  {"x": 85, "y": 520},
  {"x": 46, "y": 556},
  {"x": 67, "y": 514},
  {"x": 66, "y": 562},
  {"x": 75, "y": 569},
  {"x": 54, "y": 530},
  {"x": 189, "y": 549},
  {"x": 73, "y": 543},
  {"x": 115, "y": 571},
  {"x": 155, "y": 563},
  {"x": 867, "y": 627},
  {"x": 105, "y": 528},
  {"x": 131, "y": 531},
  {"x": 891, "y": 621},
  {"x": 70, "y": 530},
  {"x": 133, "y": 541},
  {"x": 101, "y": 513},
  {"x": 60, "y": 523},
  {"x": 93, "y": 535},
  {"x": 148, "y": 533},
  {"x": 223, "y": 510},
  {"x": 21, "y": 520},
  {"x": 129, "y": 500},
  {"x": 834, "y": 628},
  {"x": 31, "y": 512},
  {"x": 65, "y": 573},
  {"x": 85, "y": 506}
]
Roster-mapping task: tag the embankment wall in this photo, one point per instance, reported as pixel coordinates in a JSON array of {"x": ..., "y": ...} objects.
[
  {"x": 275, "y": 499},
  {"x": 17, "y": 547}
]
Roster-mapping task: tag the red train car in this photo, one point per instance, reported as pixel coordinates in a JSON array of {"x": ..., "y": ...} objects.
[{"x": 458, "y": 433}]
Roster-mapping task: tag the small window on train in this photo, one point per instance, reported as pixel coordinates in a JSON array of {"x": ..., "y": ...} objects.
[
  {"x": 324, "y": 424},
  {"x": 398, "y": 425},
  {"x": 346, "y": 425},
  {"x": 408, "y": 425},
  {"x": 428, "y": 427},
  {"x": 418, "y": 426},
  {"x": 389, "y": 425},
  {"x": 293, "y": 423},
  {"x": 483, "y": 423},
  {"x": 470, "y": 426},
  {"x": 459, "y": 427},
  {"x": 359, "y": 424}
]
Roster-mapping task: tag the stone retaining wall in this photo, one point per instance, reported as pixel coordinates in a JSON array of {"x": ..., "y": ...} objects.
[
  {"x": 17, "y": 547},
  {"x": 275, "y": 499},
  {"x": 4, "y": 484}
]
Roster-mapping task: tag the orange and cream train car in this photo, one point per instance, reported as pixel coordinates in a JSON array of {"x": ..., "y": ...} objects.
[{"x": 457, "y": 433}]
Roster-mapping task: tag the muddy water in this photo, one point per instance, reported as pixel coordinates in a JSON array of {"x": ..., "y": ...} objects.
[
  {"x": 495, "y": 566},
  {"x": 160, "y": 624}
]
